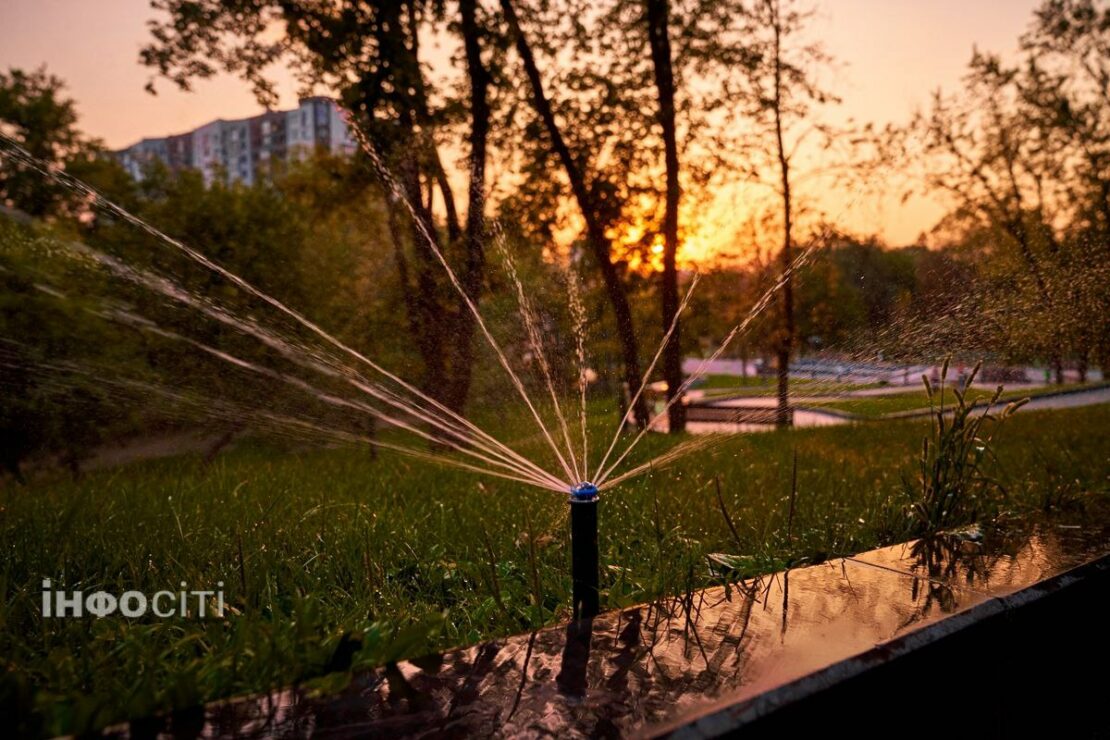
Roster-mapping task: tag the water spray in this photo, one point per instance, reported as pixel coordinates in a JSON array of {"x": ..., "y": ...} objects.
[
  {"x": 412, "y": 407},
  {"x": 584, "y": 560}
]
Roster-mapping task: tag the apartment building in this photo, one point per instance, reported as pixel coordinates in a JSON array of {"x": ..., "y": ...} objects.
[{"x": 245, "y": 150}]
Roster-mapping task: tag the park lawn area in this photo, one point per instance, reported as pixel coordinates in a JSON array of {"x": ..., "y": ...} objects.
[
  {"x": 715, "y": 382},
  {"x": 333, "y": 560},
  {"x": 757, "y": 384},
  {"x": 876, "y": 406}
]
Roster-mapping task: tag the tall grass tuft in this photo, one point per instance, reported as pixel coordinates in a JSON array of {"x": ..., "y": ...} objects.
[{"x": 953, "y": 486}]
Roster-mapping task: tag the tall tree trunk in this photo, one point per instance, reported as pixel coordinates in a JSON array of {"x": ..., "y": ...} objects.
[
  {"x": 436, "y": 175},
  {"x": 786, "y": 344},
  {"x": 658, "y": 18},
  {"x": 421, "y": 278},
  {"x": 442, "y": 325},
  {"x": 595, "y": 230},
  {"x": 474, "y": 236}
]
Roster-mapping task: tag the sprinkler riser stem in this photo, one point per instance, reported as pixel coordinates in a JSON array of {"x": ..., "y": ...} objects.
[{"x": 585, "y": 563}]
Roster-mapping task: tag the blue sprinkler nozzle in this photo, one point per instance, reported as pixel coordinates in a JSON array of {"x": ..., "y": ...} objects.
[{"x": 584, "y": 492}]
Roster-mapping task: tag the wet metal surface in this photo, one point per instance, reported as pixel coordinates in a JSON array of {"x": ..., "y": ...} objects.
[{"x": 671, "y": 665}]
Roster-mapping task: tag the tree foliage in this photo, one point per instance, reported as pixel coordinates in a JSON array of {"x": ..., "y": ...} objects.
[{"x": 1023, "y": 151}]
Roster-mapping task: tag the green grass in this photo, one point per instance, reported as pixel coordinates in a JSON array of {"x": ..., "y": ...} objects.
[
  {"x": 875, "y": 406},
  {"x": 326, "y": 549},
  {"x": 730, "y": 385},
  {"x": 713, "y": 382}
]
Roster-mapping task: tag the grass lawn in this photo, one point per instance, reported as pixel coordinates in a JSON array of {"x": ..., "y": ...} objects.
[
  {"x": 322, "y": 547},
  {"x": 714, "y": 382},
  {"x": 763, "y": 385},
  {"x": 917, "y": 399}
]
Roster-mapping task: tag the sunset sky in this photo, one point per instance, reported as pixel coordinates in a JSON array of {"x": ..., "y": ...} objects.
[{"x": 892, "y": 54}]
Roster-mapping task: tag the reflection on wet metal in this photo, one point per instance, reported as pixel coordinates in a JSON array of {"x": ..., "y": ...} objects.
[{"x": 658, "y": 667}]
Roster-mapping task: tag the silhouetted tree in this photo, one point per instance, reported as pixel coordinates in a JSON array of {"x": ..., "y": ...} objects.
[
  {"x": 1025, "y": 150},
  {"x": 370, "y": 54},
  {"x": 35, "y": 112},
  {"x": 594, "y": 205},
  {"x": 658, "y": 23},
  {"x": 1065, "y": 84},
  {"x": 1065, "y": 87},
  {"x": 643, "y": 108},
  {"x": 783, "y": 90}
]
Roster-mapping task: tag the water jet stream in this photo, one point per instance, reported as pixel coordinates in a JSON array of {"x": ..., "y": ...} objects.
[
  {"x": 647, "y": 373},
  {"x": 333, "y": 400},
  {"x": 578, "y": 315},
  {"x": 461, "y": 434},
  {"x": 758, "y": 308},
  {"x": 220, "y": 408},
  {"x": 12, "y": 149},
  {"x": 533, "y": 333},
  {"x": 399, "y": 195},
  {"x": 169, "y": 288}
]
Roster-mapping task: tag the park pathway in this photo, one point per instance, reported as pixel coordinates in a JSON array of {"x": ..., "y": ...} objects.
[{"x": 817, "y": 417}]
